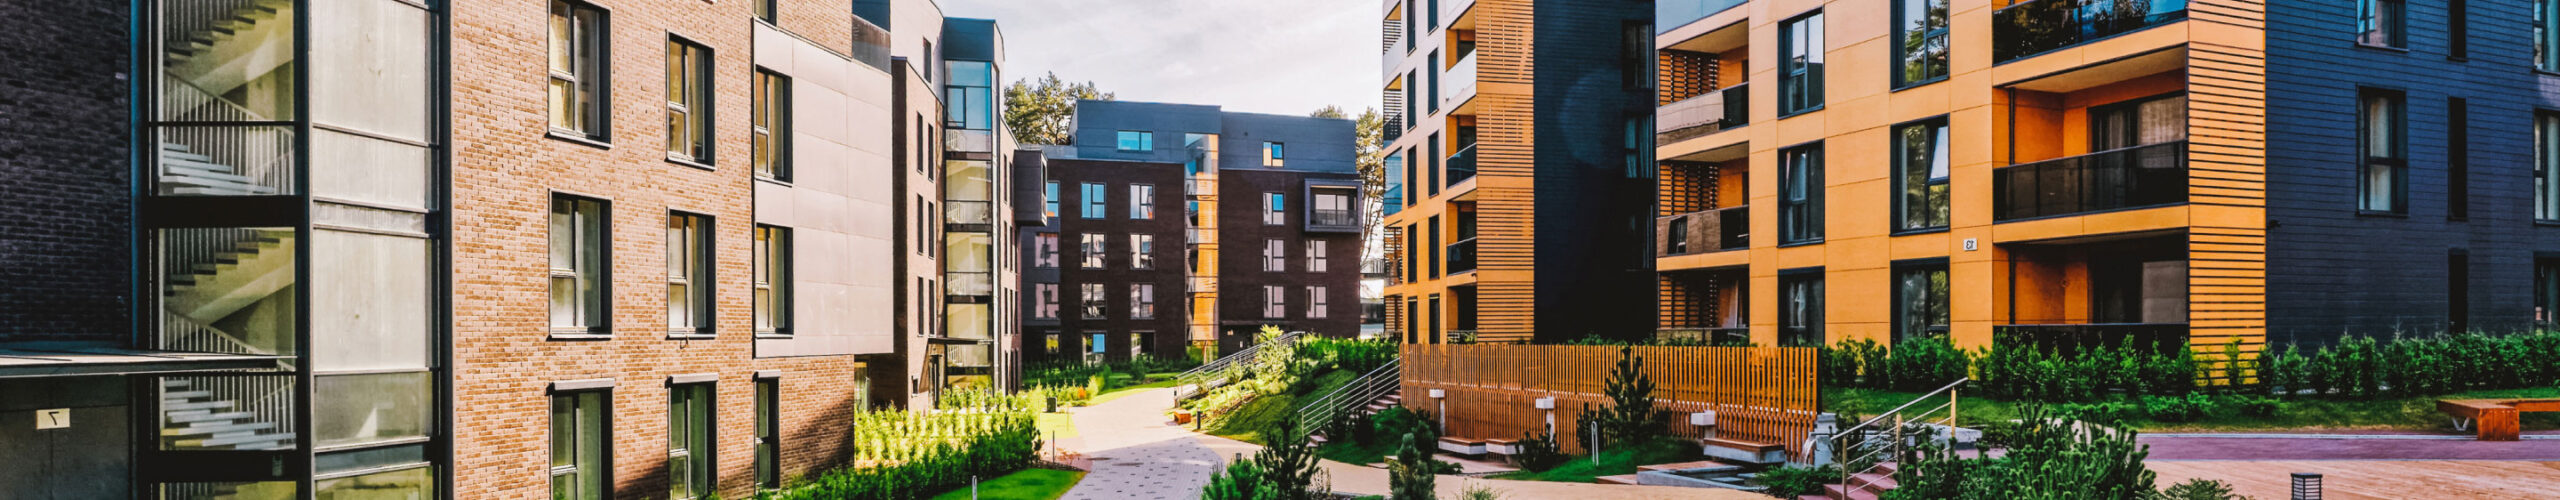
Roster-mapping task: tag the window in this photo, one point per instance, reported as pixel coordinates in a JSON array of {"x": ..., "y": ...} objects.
[
  {"x": 768, "y": 433},
  {"x": 1138, "y": 343},
  {"x": 578, "y": 86},
  {"x": 2459, "y": 29},
  {"x": 1137, "y": 140},
  {"x": 1800, "y": 64},
  {"x": 1094, "y": 339},
  {"x": 2379, "y": 23},
  {"x": 1800, "y": 194},
  {"x": 773, "y": 280},
  {"x": 688, "y": 102},
  {"x": 1920, "y": 301},
  {"x": 1275, "y": 255},
  {"x": 581, "y": 445},
  {"x": 1316, "y": 256},
  {"x": 580, "y": 289},
  {"x": 1920, "y": 31},
  {"x": 1274, "y": 155},
  {"x": 1800, "y": 308},
  {"x": 767, "y": 10},
  {"x": 1044, "y": 251},
  {"x": 1921, "y": 164},
  {"x": 1275, "y": 209},
  {"x": 1142, "y": 201},
  {"x": 2546, "y": 35},
  {"x": 1049, "y": 201},
  {"x": 2457, "y": 161},
  {"x": 1050, "y": 342},
  {"x": 1093, "y": 251},
  {"x": 2457, "y": 290},
  {"x": 1431, "y": 245},
  {"x": 1316, "y": 302},
  {"x": 1142, "y": 251},
  {"x": 1092, "y": 301},
  {"x": 1275, "y": 302},
  {"x": 773, "y": 126},
  {"x": 1095, "y": 196},
  {"x": 690, "y": 473},
  {"x": 2546, "y": 292},
  {"x": 689, "y": 282},
  {"x": 1430, "y": 93},
  {"x": 1142, "y": 301},
  {"x": 1333, "y": 208},
  {"x": 2382, "y": 178},
  {"x": 1044, "y": 301},
  {"x": 2546, "y": 167}
]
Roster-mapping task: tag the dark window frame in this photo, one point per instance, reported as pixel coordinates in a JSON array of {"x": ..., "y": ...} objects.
[
  {"x": 1937, "y": 303},
  {"x": 2387, "y": 19},
  {"x": 602, "y": 431},
  {"x": 1145, "y": 141},
  {"x": 1903, "y": 40},
  {"x": 702, "y": 284},
  {"x": 595, "y": 263},
  {"x": 770, "y": 127},
  {"x": 698, "y": 414},
  {"x": 1935, "y": 191},
  {"x": 1801, "y": 195},
  {"x": 1800, "y": 78},
  {"x": 768, "y": 437},
  {"x": 1807, "y": 327},
  {"x": 776, "y": 271},
  {"x": 698, "y": 106},
  {"x": 2397, "y": 158},
  {"x": 590, "y": 74}
]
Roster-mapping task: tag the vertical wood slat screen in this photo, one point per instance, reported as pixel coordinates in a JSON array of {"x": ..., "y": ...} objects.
[{"x": 1759, "y": 394}]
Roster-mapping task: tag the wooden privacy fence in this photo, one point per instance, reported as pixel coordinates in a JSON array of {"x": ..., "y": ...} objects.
[{"x": 1759, "y": 394}]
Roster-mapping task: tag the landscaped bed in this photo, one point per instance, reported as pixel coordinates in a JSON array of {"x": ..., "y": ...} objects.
[
  {"x": 1580, "y": 469},
  {"x": 1030, "y": 484},
  {"x": 2416, "y": 413}
]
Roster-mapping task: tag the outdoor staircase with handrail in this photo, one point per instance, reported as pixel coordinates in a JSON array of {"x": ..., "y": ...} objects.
[
  {"x": 1372, "y": 392},
  {"x": 1213, "y": 373},
  {"x": 197, "y": 419},
  {"x": 1866, "y": 452},
  {"x": 253, "y": 269}
]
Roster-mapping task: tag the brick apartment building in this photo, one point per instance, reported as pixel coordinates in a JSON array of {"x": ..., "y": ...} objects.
[
  {"x": 1172, "y": 227},
  {"x": 490, "y": 249}
]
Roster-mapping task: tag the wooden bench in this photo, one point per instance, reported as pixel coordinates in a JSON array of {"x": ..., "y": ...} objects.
[
  {"x": 1462, "y": 446},
  {"x": 1735, "y": 450},
  {"x": 2495, "y": 419}
]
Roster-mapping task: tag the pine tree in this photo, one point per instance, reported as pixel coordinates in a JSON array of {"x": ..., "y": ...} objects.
[
  {"x": 1631, "y": 416},
  {"x": 1410, "y": 476}
]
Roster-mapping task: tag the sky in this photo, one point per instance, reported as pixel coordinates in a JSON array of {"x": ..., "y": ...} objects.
[{"x": 1282, "y": 57}]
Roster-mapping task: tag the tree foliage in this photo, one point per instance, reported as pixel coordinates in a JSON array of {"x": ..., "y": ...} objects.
[
  {"x": 1631, "y": 417},
  {"x": 1410, "y": 476},
  {"x": 1040, "y": 111},
  {"x": 1369, "y": 131}
]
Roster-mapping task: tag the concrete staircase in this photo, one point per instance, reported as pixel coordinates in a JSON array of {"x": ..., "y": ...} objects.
[
  {"x": 251, "y": 270},
  {"x": 195, "y": 419},
  {"x": 183, "y": 172},
  {"x": 239, "y": 41},
  {"x": 1863, "y": 486}
]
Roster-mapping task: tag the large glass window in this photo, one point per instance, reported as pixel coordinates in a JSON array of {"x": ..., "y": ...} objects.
[
  {"x": 357, "y": 409},
  {"x": 1275, "y": 302},
  {"x": 1275, "y": 255},
  {"x": 2383, "y": 174},
  {"x": 581, "y": 443},
  {"x": 1800, "y": 64},
  {"x": 1044, "y": 251},
  {"x": 1049, "y": 201},
  {"x": 1142, "y": 301},
  {"x": 1317, "y": 302},
  {"x": 1274, "y": 154},
  {"x": 768, "y": 433},
  {"x": 1800, "y": 194},
  {"x": 2546, "y": 35},
  {"x": 1142, "y": 202},
  {"x": 1800, "y": 308},
  {"x": 690, "y": 473},
  {"x": 1920, "y": 35},
  {"x": 2380, "y": 23},
  {"x": 577, "y": 50},
  {"x": 1142, "y": 251},
  {"x": 1920, "y": 301},
  {"x": 1275, "y": 209},
  {"x": 2546, "y": 166},
  {"x": 1093, "y": 251},
  {"x": 1092, "y": 301},
  {"x": 772, "y": 126},
  {"x": 1332, "y": 208},
  {"x": 579, "y": 282},
  {"x": 969, "y": 100},
  {"x": 1094, "y": 199},
  {"x": 770, "y": 11},
  {"x": 688, "y": 102},
  {"x": 1920, "y": 165},
  {"x": 1044, "y": 301},
  {"x": 773, "y": 280},
  {"x": 1316, "y": 261},
  {"x": 1136, "y": 141},
  {"x": 689, "y": 282},
  {"x": 2546, "y": 293}
]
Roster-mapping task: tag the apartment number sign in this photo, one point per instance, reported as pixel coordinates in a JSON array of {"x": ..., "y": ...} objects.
[{"x": 54, "y": 418}]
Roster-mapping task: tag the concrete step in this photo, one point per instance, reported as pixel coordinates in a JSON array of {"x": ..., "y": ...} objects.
[
  {"x": 217, "y": 430},
  {"x": 1618, "y": 479},
  {"x": 172, "y": 395},
  {"x": 1836, "y": 491},
  {"x": 204, "y": 405},
  {"x": 1874, "y": 481},
  {"x": 190, "y": 417}
]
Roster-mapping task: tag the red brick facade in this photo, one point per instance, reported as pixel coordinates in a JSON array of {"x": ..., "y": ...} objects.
[{"x": 505, "y": 170}]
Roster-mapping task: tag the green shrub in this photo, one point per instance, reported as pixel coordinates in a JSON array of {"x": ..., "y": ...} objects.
[
  {"x": 2052, "y": 459},
  {"x": 2113, "y": 413},
  {"x": 1479, "y": 491},
  {"x": 2254, "y": 406},
  {"x": 1631, "y": 416},
  {"x": 2199, "y": 489},
  {"x": 1924, "y": 364},
  {"x": 1538, "y": 451},
  {"x": 1791, "y": 482},
  {"x": 2188, "y": 408},
  {"x": 902, "y": 455},
  {"x": 1411, "y": 474}
]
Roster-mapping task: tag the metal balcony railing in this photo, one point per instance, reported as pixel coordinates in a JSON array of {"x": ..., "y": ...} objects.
[
  {"x": 1704, "y": 231},
  {"x": 2037, "y": 26},
  {"x": 2139, "y": 176},
  {"x": 1462, "y": 256},
  {"x": 870, "y": 44},
  {"x": 1461, "y": 165},
  {"x": 1332, "y": 217},
  {"x": 1672, "y": 14}
]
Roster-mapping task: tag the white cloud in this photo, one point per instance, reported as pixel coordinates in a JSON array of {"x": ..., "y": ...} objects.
[{"x": 1284, "y": 57}]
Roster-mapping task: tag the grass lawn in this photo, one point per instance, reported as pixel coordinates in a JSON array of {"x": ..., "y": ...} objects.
[
  {"x": 1055, "y": 425},
  {"x": 1247, "y": 423},
  {"x": 2300, "y": 414},
  {"x": 1029, "y": 484},
  {"x": 1612, "y": 462},
  {"x": 1117, "y": 392},
  {"x": 1356, "y": 453}
]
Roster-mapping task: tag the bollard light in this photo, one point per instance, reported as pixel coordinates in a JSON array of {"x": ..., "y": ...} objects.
[{"x": 2306, "y": 486}]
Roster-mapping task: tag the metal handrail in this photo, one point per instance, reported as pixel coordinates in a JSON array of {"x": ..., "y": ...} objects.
[
  {"x": 1198, "y": 375},
  {"x": 1840, "y": 441},
  {"x": 1369, "y": 387}
]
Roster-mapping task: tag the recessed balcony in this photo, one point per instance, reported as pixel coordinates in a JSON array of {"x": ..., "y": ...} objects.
[
  {"x": 1458, "y": 84},
  {"x": 1462, "y": 256},
  {"x": 1461, "y": 165},
  {"x": 2135, "y": 177},
  {"x": 1708, "y": 113},
  {"x": 1704, "y": 231},
  {"x": 2034, "y": 27}
]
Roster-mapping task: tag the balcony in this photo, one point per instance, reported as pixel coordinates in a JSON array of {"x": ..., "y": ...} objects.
[
  {"x": 1461, "y": 165},
  {"x": 1333, "y": 220},
  {"x": 2166, "y": 337},
  {"x": 870, "y": 44},
  {"x": 1706, "y": 114},
  {"x": 1462, "y": 256},
  {"x": 1458, "y": 84},
  {"x": 1672, "y": 14},
  {"x": 1703, "y": 231},
  {"x": 2037, "y": 26},
  {"x": 1453, "y": 11},
  {"x": 2135, "y": 177}
]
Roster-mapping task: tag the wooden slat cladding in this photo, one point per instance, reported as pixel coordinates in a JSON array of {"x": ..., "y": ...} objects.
[
  {"x": 2227, "y": 128},
  {"x": 1505, "y": 110},
  {"x": 1759, "y": 394}
]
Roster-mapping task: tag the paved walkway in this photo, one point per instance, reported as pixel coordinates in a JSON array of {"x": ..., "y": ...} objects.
[
  {"x": 1139, "y": 454},
  {"x": 2363, "y": 465}
]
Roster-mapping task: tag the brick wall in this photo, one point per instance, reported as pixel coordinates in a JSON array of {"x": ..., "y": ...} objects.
[
  {"x": 63, "y": 246},
  {"x": 505, "y": 171}
]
